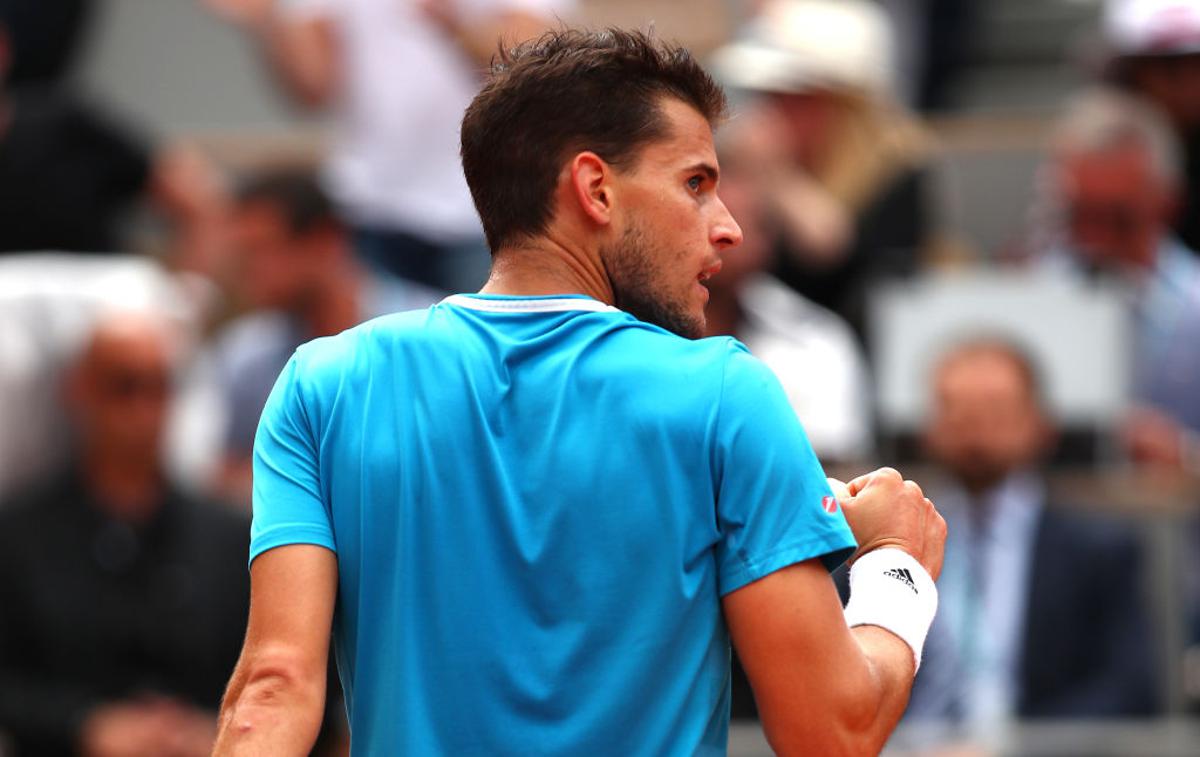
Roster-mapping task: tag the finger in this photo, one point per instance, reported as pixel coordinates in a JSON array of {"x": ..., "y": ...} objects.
[
  {"x": 880, "y": 475},
  {"x": 935, "y": 544},
  {"x": 913, "y": 489},
  {"x": 856, "y": 485},
  {"x": 840, "y": 490}
]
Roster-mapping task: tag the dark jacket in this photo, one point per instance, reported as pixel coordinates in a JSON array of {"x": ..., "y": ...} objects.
[
  {"x": 1088, "y": 648},
  {"x": 93, "y": 610}
]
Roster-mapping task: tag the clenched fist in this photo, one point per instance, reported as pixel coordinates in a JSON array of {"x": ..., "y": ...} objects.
[{"x": 885, "y": 510}]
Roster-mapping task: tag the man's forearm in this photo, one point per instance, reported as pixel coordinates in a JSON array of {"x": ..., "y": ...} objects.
[
  {"x": 302, "y": 56},
  {"x": 858, "y": 707},
  {"x": 891, "y": 669}
]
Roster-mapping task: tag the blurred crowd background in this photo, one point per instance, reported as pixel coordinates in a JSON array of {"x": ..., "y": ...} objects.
[{"x": 972, "y": 252}]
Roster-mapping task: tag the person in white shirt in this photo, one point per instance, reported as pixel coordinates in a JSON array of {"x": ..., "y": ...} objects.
[
  {"x": 396, "y": 76},
  {"x": 812, "y": 350}
]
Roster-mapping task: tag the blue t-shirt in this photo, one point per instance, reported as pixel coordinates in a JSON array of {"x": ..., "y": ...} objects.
[{"x": 536, "y": 505}]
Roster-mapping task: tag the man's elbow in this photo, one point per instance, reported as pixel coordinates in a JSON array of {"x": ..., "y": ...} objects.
[
  {"x": 277, "y": 684},
  {"x": 825, "y": 738},
  {"x": 846, "y": 726}
]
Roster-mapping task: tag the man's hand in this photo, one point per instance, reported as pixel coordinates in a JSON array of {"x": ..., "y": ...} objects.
[
  {"x": 147, "y": 728},
  {"x": 884, "y": 510}
]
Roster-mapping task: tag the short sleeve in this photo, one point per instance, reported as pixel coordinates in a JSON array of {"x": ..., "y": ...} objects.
[
  {"x": 774, "y": 505},
  {"x": 288, "y": 504}
]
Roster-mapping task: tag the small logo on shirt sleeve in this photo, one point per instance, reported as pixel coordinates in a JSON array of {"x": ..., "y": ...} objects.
[{"x": 829, "y": 504}]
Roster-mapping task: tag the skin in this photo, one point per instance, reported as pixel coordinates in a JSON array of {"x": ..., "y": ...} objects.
[
  {"x": 645, "y": 239},
  {"x": 1117, "y": 208},
  {"x": 986, "y": 422},
  {"x": 310, "y": 274},
  {"x": 743, "y": 198},
  {"x": 118, "y": 395},
  {"x": 822, "y": 687}
]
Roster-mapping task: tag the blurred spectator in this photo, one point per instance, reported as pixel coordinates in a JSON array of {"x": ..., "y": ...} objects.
[
  {"x": 1156, "y": 46},
  {"x": 69, "y": 176},
  {"x": 842, "y": 165},
  {"x": 398, "y": 75},
  {"x": 124, "y": 599},
  {"x": 1115, "y": 176},
  {"x": 299, "y": 279},
  {"x": 49, "y": 303},
  {"x": 935, "y": 39},
  {"x": 44, "y": 36},
  {"x": 811, "y": 350},
  {"x": 1039, "y": 607}
]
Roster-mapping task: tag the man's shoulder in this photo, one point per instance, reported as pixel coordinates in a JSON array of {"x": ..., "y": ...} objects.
[
  {"x": 360, "y": 346},
  {"x": 31, "y": 510},
  {"x": 376, "y": 332}
]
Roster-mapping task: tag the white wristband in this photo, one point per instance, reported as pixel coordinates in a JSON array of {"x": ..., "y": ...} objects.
[{"x": 890, "y": 589}]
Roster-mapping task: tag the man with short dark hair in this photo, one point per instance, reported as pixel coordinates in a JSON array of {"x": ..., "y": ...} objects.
[
  {"x": 298, "y": 279},
  {"x": 540, "y": 517}
]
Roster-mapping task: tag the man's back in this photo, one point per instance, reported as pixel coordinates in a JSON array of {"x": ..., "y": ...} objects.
[{"x": 521, "y": 495}]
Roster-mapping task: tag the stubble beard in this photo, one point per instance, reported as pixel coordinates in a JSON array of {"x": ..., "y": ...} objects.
[{"x": 637, "y": 285}]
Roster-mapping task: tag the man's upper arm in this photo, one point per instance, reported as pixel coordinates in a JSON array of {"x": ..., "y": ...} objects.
[
  {"x": 292, "y": 594},
  {"x": 813, "y": 684},
  {"x": 276, "y": 699}
]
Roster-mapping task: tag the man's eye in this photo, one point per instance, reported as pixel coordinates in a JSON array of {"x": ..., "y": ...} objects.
[{"x": 695, "y": 183}]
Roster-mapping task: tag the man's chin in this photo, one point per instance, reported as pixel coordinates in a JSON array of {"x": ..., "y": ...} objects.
[
  {"x": 979, "y": 479},
  {"x": 676, "y": 320}
]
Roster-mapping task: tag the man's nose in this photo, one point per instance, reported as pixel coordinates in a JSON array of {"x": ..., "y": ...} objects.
[{"x": 726, "y": 232}]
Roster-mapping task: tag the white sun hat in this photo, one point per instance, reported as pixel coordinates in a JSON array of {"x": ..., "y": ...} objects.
[
  {"x": 1153, "y": 27},
  {"x": 799, "y": 45}
]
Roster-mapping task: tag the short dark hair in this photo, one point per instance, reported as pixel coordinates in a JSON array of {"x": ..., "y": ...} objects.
[
  {"x": 564, "y": 92},
  {"x": 295, "y": 193}
]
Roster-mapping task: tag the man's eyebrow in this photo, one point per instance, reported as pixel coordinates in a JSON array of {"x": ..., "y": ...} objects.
[{"x": 708, "y": 169}]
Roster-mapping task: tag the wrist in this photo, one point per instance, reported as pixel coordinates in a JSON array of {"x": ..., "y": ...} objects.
[{"x": 889, "y": 588}]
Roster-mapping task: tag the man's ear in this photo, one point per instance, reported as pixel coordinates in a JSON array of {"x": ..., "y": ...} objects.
[{"x": 591, "y": 186}]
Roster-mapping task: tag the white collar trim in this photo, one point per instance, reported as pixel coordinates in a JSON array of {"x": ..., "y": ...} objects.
[{"x": 537, "y": 305}]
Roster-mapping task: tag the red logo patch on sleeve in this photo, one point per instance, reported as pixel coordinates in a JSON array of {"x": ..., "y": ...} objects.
[{"x": 830, "y": 504}]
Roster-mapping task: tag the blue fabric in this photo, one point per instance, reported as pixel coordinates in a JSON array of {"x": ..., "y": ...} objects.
[{"x": 535, "y": 515}]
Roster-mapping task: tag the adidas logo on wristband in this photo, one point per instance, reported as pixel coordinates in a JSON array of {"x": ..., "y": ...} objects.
[{"x": 904, "y": 576}]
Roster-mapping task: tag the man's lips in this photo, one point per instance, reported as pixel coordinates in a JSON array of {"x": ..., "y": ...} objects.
[{"x": 709, "y": 271}]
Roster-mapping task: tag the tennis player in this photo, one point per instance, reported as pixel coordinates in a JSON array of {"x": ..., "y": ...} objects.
[{"x": 531, "y": 519}]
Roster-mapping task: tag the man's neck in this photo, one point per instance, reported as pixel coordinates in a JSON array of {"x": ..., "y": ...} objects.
[
  {"x": 548, "y": 265},
  {"x": 125, "y": 489},
  {"x": 723, "y": 314}
]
